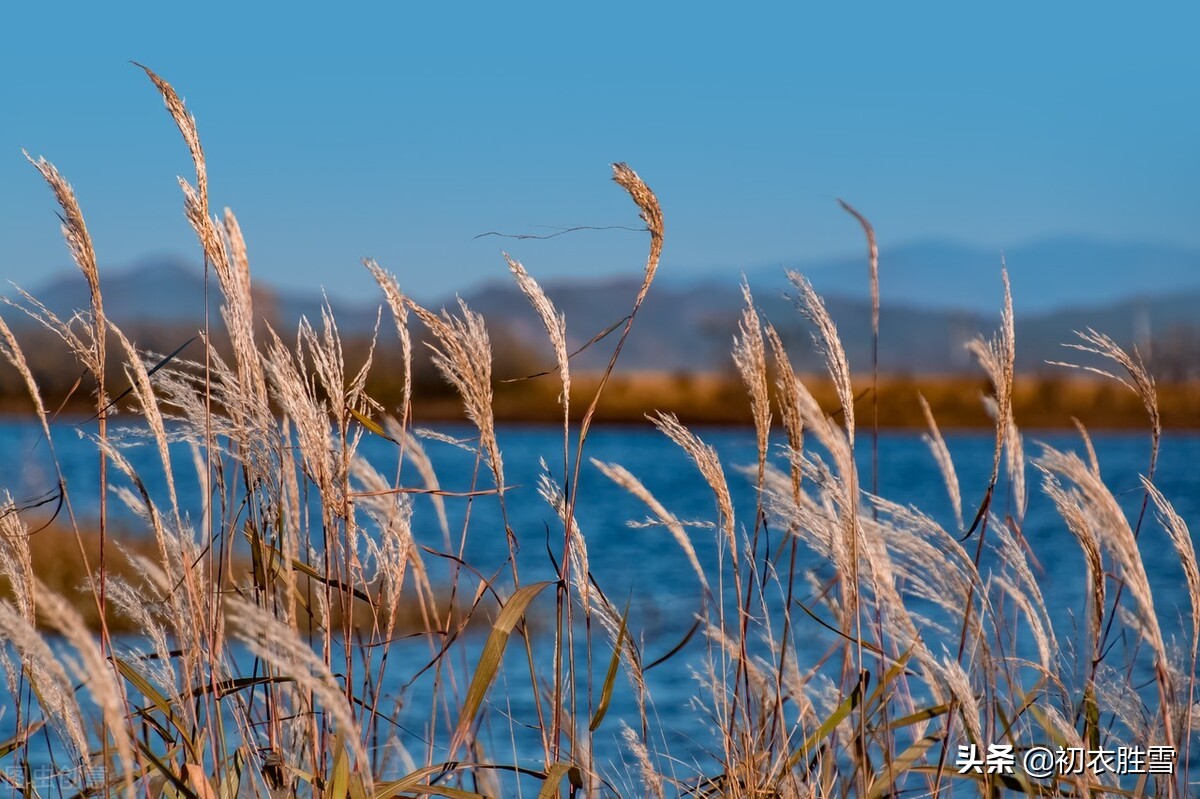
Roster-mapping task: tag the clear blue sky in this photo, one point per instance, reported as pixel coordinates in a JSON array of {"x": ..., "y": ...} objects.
[{"x": 400, "y": 132}]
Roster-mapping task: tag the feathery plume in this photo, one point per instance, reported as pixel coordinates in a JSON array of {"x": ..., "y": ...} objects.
[
  {"x": 621, "y": 476},
  {"x": 941, "y": 455}
]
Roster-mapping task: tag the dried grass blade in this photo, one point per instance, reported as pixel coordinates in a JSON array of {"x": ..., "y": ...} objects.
[
  {"x": 554, "y": 778},
  {"x": 827, "y": 727},
  {"x": 886, "y": 781},
  {"x": 673, "y": 651},
  {"x": 489, "y": 659},
  {"x": 610, "y": 676}
]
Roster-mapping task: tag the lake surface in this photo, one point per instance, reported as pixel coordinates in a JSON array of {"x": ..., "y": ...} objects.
[{"x": 644, "y": 566}]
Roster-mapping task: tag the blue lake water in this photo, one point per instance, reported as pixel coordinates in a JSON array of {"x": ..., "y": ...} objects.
[{"x": 644, "y": 566}]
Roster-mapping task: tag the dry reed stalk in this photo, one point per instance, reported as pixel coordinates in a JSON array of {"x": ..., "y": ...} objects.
[
  {"x": 396, "y": 304},
  {"x": 290, "y": 655},
  {"x": 148, "y": 402},
  {"x": 414, "y": 451},
  {"x": 12, "y": 352},
  {"x": 1091, "y": 498},
  {"x": 900, "y": 558},
  {"x": 788, "y": 401},
  {"x": 96, "y": 671},
  {"x": 1120, "y": 697},
  {"x": 187, "y": 127},
  {"x": 554, "y": 322},
  {"x": 959, "y": 683},
  {"x": 873, "y": 267},
  {"x": 93, "y": 352},
  {"x": 306, "y": 412},
  {"x": 325, "y": 373},
  {"x": 651, "y": 213},
  {"x": 812, "y": 519},
  {"x": 287, "y": 515},
  {"x": 577, "y": 550},
  {"x": 1093, "y": 461},
  {"x": 463, "y": 354},
  {"x": 47, "y": 672},
  {"x": 1040, "y": 627},
  {"x": 1081, "y": 527},
  {"x": 238, "y": 314},
  {"x": 574, "y": 567},
  {"x": 325, "y": 366},
  {"x": 1142, "y": 384},
  {"x": 998, "y": 359},
  {"x": 750, "y": 357},
  {"x": 828, "y": 345},
  {"x": 621, "y": 476},
  {"x": 1060, "y": 728},
  {"x": 94, "y": 355},
  {"x": 1140, "y": 381},
  {"x": 1014, "y": 463},
  {"x": 873, "y": 264},
  {"x": 631, "y": 658},
  {"x": 323, "y": 464},
  {"x": 216, "y": 243},
  {"x": 1013, "y": 555},
  {"x": 16, "y": 561},
  {"x": 932, "y": 564},
  {"x": 186, "y": 590},
  {"x": 941, "y": 455},
  {"x": 1181, "y": 539},
  {"x": 196, "y": 202},
  {"x": 651, "y": 779},
  {"x": 144, "y": 604},
  {"x": 79, "y": 242},
  {"x": 392, "y": 517},
  {"x": 709, "y": 464},
  {"x": 731, "y": 645}
]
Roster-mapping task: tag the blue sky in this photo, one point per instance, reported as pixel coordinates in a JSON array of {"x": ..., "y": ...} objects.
[{"x": 402, "y": 131}]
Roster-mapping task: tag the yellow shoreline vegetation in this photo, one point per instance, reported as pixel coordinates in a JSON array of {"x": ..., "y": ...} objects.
[{"x": 1040, "y": 402}]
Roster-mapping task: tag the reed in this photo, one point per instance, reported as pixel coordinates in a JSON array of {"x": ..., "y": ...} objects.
[{"x": 843, "y": 645}]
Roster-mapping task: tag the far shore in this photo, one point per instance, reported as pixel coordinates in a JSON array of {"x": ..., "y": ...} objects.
[{"x": 1040, "y": 402}]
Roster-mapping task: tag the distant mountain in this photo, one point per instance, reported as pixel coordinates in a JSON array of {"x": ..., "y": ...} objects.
[
  {"x": 169, "y": 291},
  {"x": 930, "y": 308},
  {"x": 1046, "y": 274},
  {"x": 692, "y": 328},
  {"x": 681, "y": 329},
  {"x": 160, "y": 290}
]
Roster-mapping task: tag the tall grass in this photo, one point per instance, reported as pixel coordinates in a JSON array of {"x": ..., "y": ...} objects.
[{"x": 857, "y": 656}]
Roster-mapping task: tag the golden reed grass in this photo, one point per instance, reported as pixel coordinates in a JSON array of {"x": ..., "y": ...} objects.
[{"x": 848, "y": 645}]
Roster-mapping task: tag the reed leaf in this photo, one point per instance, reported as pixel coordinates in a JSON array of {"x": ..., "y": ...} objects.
[{"x": 489, "y": 659}]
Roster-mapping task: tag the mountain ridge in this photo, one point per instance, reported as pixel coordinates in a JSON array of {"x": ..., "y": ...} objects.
[{"x": 688, "y": 321}]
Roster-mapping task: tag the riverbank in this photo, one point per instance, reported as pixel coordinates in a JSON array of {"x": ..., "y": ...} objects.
[
  {"x": 956, "y": 402},
  {"x": 1039, "y": 402}
]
